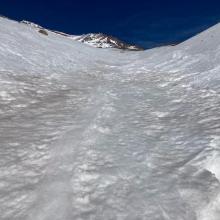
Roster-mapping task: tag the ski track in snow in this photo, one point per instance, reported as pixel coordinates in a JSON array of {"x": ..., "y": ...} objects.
[{"x": 116, "y": 138}]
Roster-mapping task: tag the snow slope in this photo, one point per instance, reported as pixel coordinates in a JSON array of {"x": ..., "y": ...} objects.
[{"x": 99, "y": 134}]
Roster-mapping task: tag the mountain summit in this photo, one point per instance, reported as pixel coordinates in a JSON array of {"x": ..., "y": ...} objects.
[{"x": 105, "y": 41}]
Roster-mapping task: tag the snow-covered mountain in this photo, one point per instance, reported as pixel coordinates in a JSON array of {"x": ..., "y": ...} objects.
[
  {"x": 104, "y": 41},
  {"x": 98, "y": 134},
  {"x": 96, "y": 40}
]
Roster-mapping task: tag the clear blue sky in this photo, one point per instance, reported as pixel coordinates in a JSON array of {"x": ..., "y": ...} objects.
[{"x": 148, "y": 23}]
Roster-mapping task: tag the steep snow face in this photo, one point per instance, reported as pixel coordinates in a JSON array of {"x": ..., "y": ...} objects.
[
  {"x": 99, "y": 134},
  {"x": 105, "y": 41}
]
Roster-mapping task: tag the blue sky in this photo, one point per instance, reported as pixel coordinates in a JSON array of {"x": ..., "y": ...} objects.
[{"x": 148, "y": 23}]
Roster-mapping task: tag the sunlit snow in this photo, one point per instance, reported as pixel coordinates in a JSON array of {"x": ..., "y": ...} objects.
[{"x": 92, "y": 134}]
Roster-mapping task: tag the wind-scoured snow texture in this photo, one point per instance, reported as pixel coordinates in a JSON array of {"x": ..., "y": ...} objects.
[{"x": 98, "y": 134}]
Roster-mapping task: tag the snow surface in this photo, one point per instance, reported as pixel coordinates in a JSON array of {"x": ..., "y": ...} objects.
[{"x": 102, "y": 134}]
